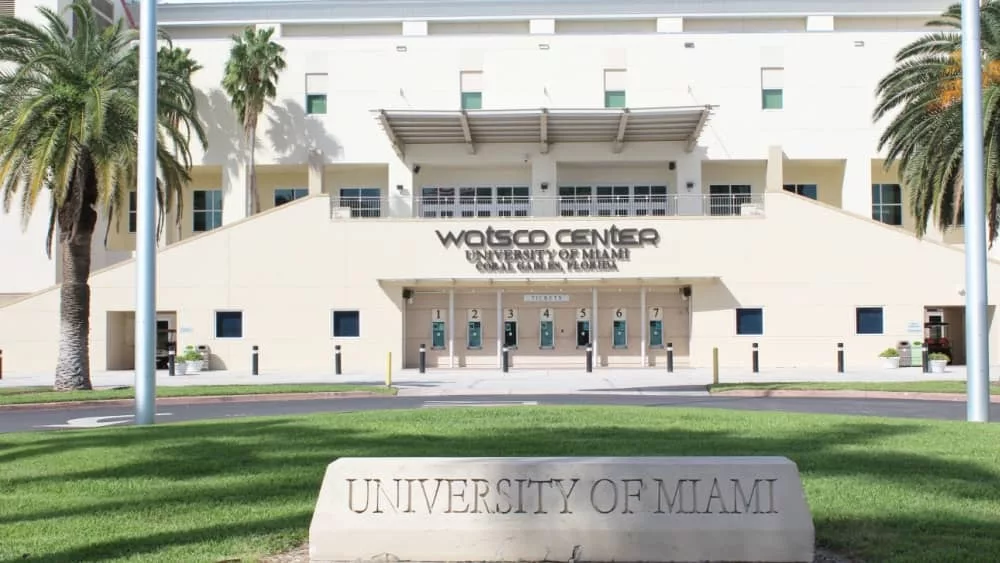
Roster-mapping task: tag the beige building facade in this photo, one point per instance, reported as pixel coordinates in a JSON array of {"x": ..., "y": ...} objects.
[{"x": 466, "y": 180}]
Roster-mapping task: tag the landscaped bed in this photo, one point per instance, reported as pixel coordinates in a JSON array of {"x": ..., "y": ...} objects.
[
  {"x": 29, "y": 395},
  {"x": 880, "y": 489},
  {"x": 957, "y": 387}
]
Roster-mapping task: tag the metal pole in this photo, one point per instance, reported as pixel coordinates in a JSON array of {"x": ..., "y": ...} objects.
[
  {"x": 506, "y": 359},
  {"x": 336, "y": 360},
  {"x": 756, "y": 358},
  {"x": 145, "y": 238},
  {"x": 715, "y": 366},
  {"x": 1, "y": 364},
  {"x": 423, "y": 358},
  {"x": 670, "y": 357},
  {"x": 840, "y": 357},
  {"x": 976, "y": 328},
  {"x": 590, "y": 358},
  {"x": 171, "y": 360},
  {"x": 255, "y": 361}
]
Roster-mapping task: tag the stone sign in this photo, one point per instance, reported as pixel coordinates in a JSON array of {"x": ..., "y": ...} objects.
[{"x": 648, "y": 509}]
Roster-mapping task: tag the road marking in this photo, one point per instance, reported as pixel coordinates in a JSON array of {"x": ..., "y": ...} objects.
[
  {"x": 97, "y": 421},
  {"x": 445, "y": 404}
]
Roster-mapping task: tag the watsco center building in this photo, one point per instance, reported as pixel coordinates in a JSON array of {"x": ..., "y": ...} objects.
[{"x": 537, "y": 174}]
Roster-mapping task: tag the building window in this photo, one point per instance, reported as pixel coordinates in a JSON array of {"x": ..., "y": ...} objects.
[
  {"x": 229, "y": 324},
  {"x": 316, "y": 90},
  {"x": 728, "y": 199},
  {"x": 750, "y": 322},
  {"x": 887, "y": 203},
  {"x": 614, "y": 88},
  {"x": 805, "y": 190},
  {"x": 869, "y": 320},
  {"x": 615, "y": 201},
  {"x": 285, "y": 195},
  {"x": 472, "y": 89},
  {"x": 206, "y": 210},
  {"x": 363, "y": 202},
  {"x": 133, "y": 214},
  {"x": 474, "y": 201},
  {"x": 346, "y": 324},
  {"x": 772, "y": 88}
]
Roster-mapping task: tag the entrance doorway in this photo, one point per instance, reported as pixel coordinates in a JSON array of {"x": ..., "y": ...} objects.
[{"x": 121, "y": 338}]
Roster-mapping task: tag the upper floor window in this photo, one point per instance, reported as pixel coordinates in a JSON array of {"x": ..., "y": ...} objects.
[
  {"x": 728, "y": 199},
  {"x": 887, "y": 203},
  {"x": 206, "y": 210},
  {"x": 805, "y": 190},
  {"x": 772, "y": 88},
  {"x": 478, "y": 201},
  {"x": 614, "y": 88},
  {"x": 869, "y": 320},
  {"x": 472, "y": 89},
  {"x": 363, "y": 202},
  {"x": 617, "y": 201},
  {"x": 285, "y": 195},
  {"x": 133, "y": 213},
  {"x": 316, "y": 90}
]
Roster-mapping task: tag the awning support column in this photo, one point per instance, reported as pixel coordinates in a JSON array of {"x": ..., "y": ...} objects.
[
  {"x": 594, "y": 332},
  {"x": 642, "y": 327},
  {"x": 500, "y": 328},
  {"x": 451, "y": 328}
]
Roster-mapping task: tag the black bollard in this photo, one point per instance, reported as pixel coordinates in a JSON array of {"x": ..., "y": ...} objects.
[
  {"x": 840, "y": 357},
  {"x": 590, "y": 358},
  {"x": 505, "y": 352},
  {"x": 1, "y": 364},
  {"x": 171, "y": 361},
  {"x": 926, "y": 360},
  {"x": 670, "y": 357},
  {"x": 423, "y": 358},
  {"x": 336, "y": 360},
  {"x": 255, "y": 362},
  {"x": 756, "y": 359}
]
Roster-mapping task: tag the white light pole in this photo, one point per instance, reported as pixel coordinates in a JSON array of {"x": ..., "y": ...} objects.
[
  {"x": 145, "y": 239},
  {"x": 976, "y": 327}
]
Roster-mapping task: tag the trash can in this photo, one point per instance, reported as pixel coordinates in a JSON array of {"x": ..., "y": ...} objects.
[
  {"x": 206, "y": 357},
  {"x": 904, "y": 354},
  {"x": 916, "y": 354}
]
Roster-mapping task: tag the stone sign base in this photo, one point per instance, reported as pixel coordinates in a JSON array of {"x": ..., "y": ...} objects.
[{"x": 574, "y": 509}]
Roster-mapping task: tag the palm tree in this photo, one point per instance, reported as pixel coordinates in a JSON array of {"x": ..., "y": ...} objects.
[
  {"x": 69, "y": 127},
  {"x": 924, "y": 136},
  {"x": 251, "y": 79}
]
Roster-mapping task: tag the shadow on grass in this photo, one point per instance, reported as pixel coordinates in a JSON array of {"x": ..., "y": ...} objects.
[{"x": 273, "y": 467}]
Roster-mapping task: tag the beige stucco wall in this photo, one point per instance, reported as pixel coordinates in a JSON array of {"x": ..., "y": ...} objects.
[{"x": 808, "y": 284}]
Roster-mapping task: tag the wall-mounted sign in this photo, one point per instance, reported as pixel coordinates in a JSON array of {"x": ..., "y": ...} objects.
[
  {"x": 503, "y": 251},
  {"x": 914, "y": 326},
  {"x": 540, "y": 298}
]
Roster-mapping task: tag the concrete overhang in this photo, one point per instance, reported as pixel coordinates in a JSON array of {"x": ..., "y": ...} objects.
[
  {"x": 547, "y": 282},
  {"x": 544, "y": 126}
]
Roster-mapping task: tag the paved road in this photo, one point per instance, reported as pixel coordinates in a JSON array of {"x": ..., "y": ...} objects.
[{"x": 54, "y": 419}]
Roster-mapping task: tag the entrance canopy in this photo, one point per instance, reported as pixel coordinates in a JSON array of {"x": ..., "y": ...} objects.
[
  {"x": 548, "y": 282},
  {"x": 544, "y": 126}
]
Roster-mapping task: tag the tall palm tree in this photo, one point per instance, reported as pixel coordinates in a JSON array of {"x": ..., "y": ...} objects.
[
  {"x": 69, "y": 127},
  {"x": 251, "y": 79},
  {"x": 923, "y": 95}
]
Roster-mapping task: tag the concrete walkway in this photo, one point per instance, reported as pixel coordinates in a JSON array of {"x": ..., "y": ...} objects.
[{"x": 649, "y": 381}]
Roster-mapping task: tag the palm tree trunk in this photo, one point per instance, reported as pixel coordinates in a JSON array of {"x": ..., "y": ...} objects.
[
  {"x": 77, "y": 220},
  {"x": 254, "y": 197}
]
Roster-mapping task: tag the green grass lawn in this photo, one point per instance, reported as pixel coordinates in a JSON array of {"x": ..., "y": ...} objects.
[
  {"x": 884, "y": 490},
  {"x": 23, "y": 395},
  {"x": 896, "y": 386}
]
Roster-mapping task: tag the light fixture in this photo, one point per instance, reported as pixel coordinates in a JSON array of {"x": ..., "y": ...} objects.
[
  {"x": 401, "y": 48},
  {"x": 399, "y": 187},
  {"x": 689, "y": 45},
  {"x": 543, "y": 46},
  {"x": 859, "y": 43}
]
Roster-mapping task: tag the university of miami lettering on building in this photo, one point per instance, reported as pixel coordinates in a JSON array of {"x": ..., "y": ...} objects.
[{"x": 502, "y": 251}]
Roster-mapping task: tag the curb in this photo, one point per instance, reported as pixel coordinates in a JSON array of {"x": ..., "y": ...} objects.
[
  {"x": 205, "y": 399},
  {"x": 898, "y": 395}
]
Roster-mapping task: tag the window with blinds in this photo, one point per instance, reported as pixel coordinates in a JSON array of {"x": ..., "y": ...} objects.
[{"x": 6, "y": 7}]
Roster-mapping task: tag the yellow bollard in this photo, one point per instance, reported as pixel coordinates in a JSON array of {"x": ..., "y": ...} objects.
[
  {"x": 715, "y": 366},
  {"x": 388, "y": 370}
]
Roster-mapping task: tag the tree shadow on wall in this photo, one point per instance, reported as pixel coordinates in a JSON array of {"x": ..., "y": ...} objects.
[
  {"x": 224, "y": 130},
  {"x": 293, "y": 133}
]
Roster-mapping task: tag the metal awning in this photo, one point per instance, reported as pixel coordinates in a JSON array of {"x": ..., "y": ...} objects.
[
  {"x": 542, "y": 282},
  {"x": 544, "y": 126}
]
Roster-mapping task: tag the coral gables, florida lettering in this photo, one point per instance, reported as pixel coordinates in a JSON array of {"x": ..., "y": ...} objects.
[{"x": 560, "y": 496}]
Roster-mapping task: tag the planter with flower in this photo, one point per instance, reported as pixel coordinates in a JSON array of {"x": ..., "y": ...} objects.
[
  {"x": 938, "y": 362},
  {"x": 192, "y": 360},
  {"x": 890, "y": 358}
]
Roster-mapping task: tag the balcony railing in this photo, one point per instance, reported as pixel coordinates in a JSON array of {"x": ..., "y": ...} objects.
[{"x": 469, "y": 207}]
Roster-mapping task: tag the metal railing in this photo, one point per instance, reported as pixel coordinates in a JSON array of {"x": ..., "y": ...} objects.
[{"x": 469, "y": 207}]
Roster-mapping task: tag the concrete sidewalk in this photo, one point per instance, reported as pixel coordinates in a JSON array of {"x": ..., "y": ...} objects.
[{"x": 465, "y": 381}]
